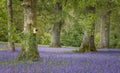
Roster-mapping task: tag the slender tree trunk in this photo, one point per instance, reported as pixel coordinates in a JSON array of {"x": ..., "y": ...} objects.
[
  {"x": 104, "y": 31},
  {"x": 91, "y": 39},
  {"x": 55, "y": 40},
  {"x": 29, "y": 49},
  {"x": 10, "y": 25}
]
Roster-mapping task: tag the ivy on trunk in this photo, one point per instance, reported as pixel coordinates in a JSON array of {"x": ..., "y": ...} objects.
[{"x": 29, "y": 51}]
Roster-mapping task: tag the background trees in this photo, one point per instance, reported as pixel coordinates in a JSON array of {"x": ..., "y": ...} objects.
[
  {"x": 76, "y": 21},
  {"x": 105, "y": 16},
  {"x": 56, "y": 29}
]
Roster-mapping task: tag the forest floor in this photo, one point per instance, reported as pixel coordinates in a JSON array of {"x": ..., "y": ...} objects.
[{"x": 62, "y": 60}]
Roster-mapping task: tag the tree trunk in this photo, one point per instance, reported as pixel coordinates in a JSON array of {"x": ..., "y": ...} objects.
[
  {"x": 104, "y": 31},
  {"x": 88, "y": 44},
  {"x": 91, "y": 39},
  {"x": 29, "y": 51},
  {"x": 85, "y": 43},
  {"x": 10, "y": 26},
  {"x": 55, "y": 40}
]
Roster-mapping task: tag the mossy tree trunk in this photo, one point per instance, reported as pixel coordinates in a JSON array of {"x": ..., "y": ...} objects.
[
  {"x": 104, "y": 31},
  {"x": 105, "y": 25},
  {"x": 55, "y": 40},
  {"x": 11, "y": 44},
  {"x": 91, "y": 39},
  {"x": 88, "y": 44},
  {"x": 85, "y": 43},
  {"x": 29, "y": 51}
]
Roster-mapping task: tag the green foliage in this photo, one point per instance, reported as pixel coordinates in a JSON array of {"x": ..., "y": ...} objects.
[
  {"x": 71, "y": 36},
  {"x": 75, "y": 17},
  {"x": 3, "y": 21},
  {"x": 118, "y": 44},
  {"x": 1, "y": 49},
  {"x": 114, "y": 33},
  {"x": 44, "y": 39},
  {"x": 16, "y": 28},
  {"x": 29, "y": 48},
  {"x": 87, "y": 21},
  {"x": 71, "y": 40},
  {"x": 97, "y": 39}
]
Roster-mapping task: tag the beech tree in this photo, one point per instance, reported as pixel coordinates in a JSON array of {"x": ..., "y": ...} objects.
[
  {"x": 56, "y": 29},
  {"x": 88, "y": 44},
  {"x": 105, "y": 23},
  {"x": 29, "y": 49},
  {"x": 104, "y": 31},
  {"x": 71, "y": 23}
]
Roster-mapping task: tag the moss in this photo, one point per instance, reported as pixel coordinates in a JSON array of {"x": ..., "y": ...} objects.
[
  {"x": 93, "y": 50},
  {"x": 55, "y": 45},
  {"x": 1, "y": 49},
  {"x": 86, "y": 49},
  {"x": 30, "y": 55},
  {"x": 29, "y": 50}
]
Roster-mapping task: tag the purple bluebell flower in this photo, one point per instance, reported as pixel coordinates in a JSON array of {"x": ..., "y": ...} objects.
[{"x": 62, "y": 60}]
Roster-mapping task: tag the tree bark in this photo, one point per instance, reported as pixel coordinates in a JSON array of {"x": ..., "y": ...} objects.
[
  {"x": 11, "y": 44},
  {"x": 85, "y": 43},
  {"x": 91, "y": 39},
  {"x": 88, "y": 44},
  {"x": 55, "y": 40},
  {"x": 104, "y": 31},
  {"x": 29, "y": 51}
]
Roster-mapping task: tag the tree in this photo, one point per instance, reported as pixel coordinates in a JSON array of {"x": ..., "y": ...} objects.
[
  {"x": 10, "y": 26},
  {"x": 56, "y": 29},
  {"x": 88, "y": 44},
  {"x": 104, "y": 31},
  {"x": 29, "y": 50},
  {"x": 105, "y": 24}
]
